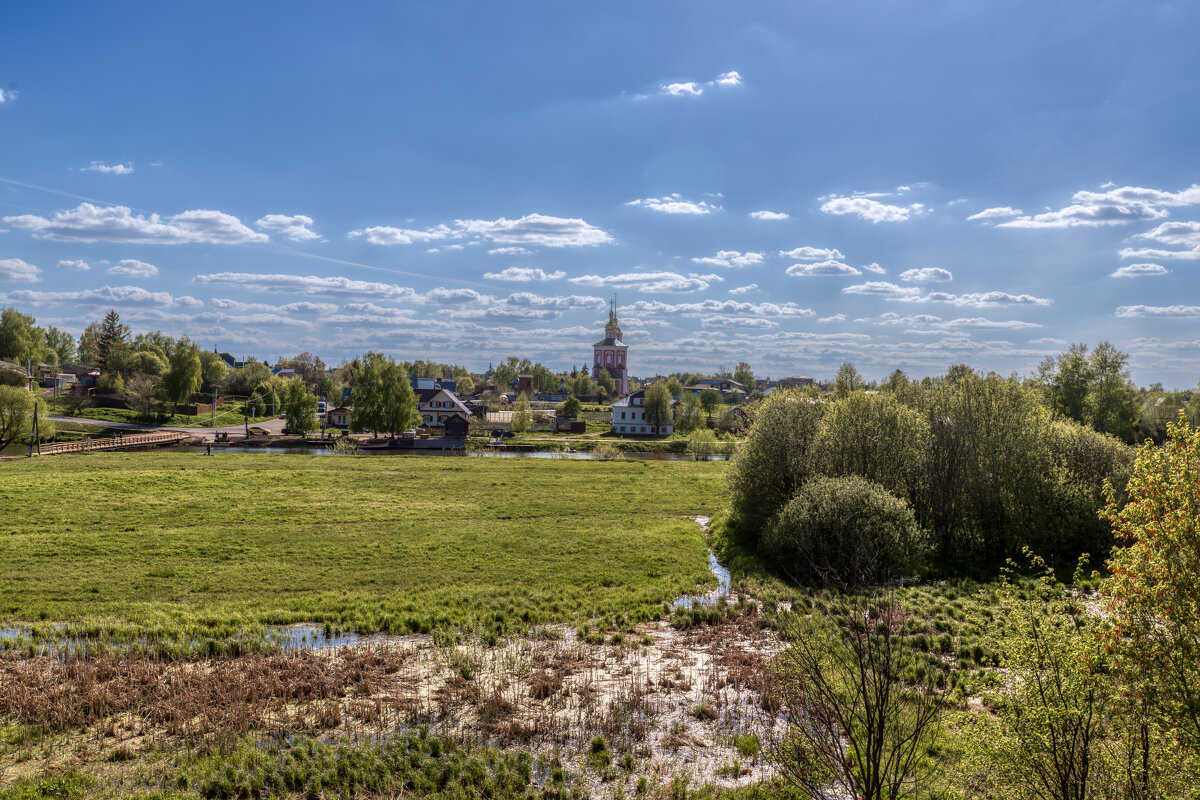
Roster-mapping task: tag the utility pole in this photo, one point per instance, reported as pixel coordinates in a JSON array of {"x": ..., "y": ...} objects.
[{"x": 34, "y": 433}]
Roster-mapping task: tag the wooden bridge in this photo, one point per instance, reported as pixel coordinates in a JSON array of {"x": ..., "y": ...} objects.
[{"x": 114, "y": 443}]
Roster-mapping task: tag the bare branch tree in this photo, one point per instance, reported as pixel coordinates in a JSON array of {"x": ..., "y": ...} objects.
[{"x": 854, "y": 724}]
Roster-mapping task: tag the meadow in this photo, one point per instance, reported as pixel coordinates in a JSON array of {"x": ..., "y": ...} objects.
[{"x": 175, "y": 547}]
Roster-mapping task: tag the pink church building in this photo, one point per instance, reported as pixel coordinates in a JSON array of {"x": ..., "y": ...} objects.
[{"x": 611, "y": 354}]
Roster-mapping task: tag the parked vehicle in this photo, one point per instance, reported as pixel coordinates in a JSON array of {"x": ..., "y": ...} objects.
[
  {"x": 499, "y": 433},
  {"x": 259, "y": 430}
]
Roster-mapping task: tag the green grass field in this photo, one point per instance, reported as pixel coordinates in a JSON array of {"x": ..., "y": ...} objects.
[{"x": 184, "y": 545}]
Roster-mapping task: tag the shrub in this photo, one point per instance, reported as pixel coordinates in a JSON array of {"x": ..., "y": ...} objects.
[{"x": 845, "y": 531}]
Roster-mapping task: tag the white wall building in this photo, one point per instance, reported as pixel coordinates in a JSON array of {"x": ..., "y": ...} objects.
[{"x": 629, "y": 417}]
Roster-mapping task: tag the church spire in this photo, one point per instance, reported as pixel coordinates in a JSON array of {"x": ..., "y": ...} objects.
[{"x": 612, "y": 330}]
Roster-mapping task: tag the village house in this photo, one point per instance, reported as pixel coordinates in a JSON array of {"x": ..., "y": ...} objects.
[
  {"x": 629, "y": 416},
  {"x": 338, "y": 418},
  {"x": 436, "y": 404}
]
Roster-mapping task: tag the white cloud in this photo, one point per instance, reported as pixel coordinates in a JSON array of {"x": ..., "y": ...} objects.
[
  {"x": 508, "y": 251},
  {"x": 718, "y": 307},
  {"x": 873, "y": 267},
  {"x": 525, "y": 274},
  {"x": 7, "y": 95},
  {"x": 1158, "y": 311},
  {"x": 813, "y": 254},
  {"x": 912, "y": 294},
  {"x": 301, "y": 307},
  {"x": 296, "y": 228},
  {"x": 536, "y": 230},
  {"x": 105, "y": 295},
  {"x": 926, "y": 275},
  {"x": 16, "y": 269},
  {"x": 1116, "y": 206},
  {"x": 111, "y": 169},
  {"x": 985, "y": 299},
  {"x": 645, "y": 281},
  {"x": 821, "y": 268},
  {"x": 449, "y": 297},
  {"x": 132, "y": 268},
  {"x": 882, "y": 289},
  {"x": 1048, "y": 340},
  {"x": 674, "y": 204},
  {"x": 74, "y": 264},
  {"x": 696, "y": 88},
  {"x": 572, "y": 302},
  {"x": 1000, "y": 212},
  {"x": 1139, "y": 270},
  {"x": 306, "y": 284},
  {"x": 187, "y": 301},
  {"x": 747, "y": 289},
  {"x": 832, "y": 318},
  {"x": 384, "y": 235},
  {"x": 740, "y": 323},
  {"x": 928, "y": 323},
  {"x": 770, "y": 215},
  {"x": 90, "y": 223},
  {"x": 1179, "y": 234},
  {"x": 865, "y": 207},
  {"x": 731, "y": 258},
  {"x": 682, "y": 89}
]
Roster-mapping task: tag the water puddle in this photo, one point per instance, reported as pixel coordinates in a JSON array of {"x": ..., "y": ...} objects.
[{"x": 724, "y": 579}]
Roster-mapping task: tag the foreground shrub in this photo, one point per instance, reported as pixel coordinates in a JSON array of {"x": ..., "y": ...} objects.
[{"x": 845, "y": 531}]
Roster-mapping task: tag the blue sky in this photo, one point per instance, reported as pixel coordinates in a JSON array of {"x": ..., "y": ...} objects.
[{"x": 897, "y": 184}]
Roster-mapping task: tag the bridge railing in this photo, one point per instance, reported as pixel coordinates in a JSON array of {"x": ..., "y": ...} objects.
[{"x": 116, "y": 443}]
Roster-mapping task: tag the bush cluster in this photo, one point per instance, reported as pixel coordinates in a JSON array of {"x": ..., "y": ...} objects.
[{"x": 982, "y": 463}]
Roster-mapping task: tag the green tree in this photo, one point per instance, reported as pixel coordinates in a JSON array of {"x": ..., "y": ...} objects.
[
  {"x": 709, "y": 400},
  {"x": 62, "y": 343},
  {"x": 112, "y": 333},
  {"x": 605, "y": 382},
  {"x": 1113, "y": 404},
  {"x": 657, "y": 402},
  {"x": 21, "y": 340},
  {"x": 263, "y": 400},
  {"x": 300, "y": 406},
  {"x": 1154, "y": 580},
  {"x": 702, "y": 444},
  {"x": 848, "y": 380},
  {"x": 569, "y": 408},
  {"x": 675, "y": 387},
  {"x": 110, "y": 383},
  {"x": 381, "y": 396},
  {"x": 522, "y": 418},
  {"x": 88, "y": 347},
  {"x": 142, "y": 392},
  {"x": 875, "y": 437},
  {"x": 242, "y": 382},
  {"x": 16, "y": 408},
  {"x": 774, "y": 460},
  {"x": 1066, "y": 380},
  {"x": 744, "y": 375},
  {"x": 213, "y": 370},
  {"x": 184, "y": 373},
  {"x": 148, "y": 362},
  {"x": 691, "y": 415}
]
